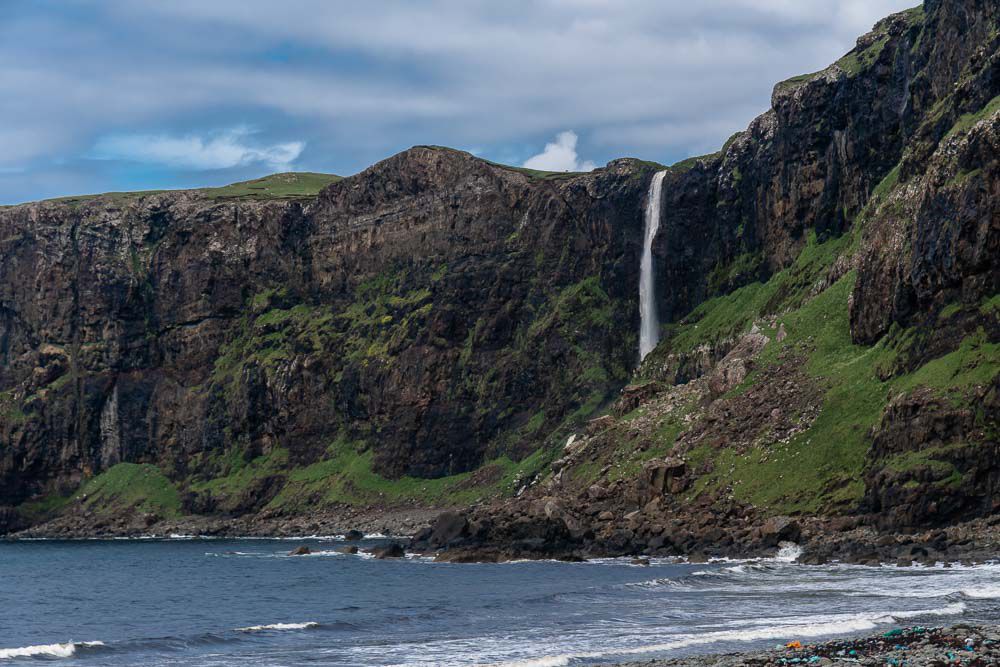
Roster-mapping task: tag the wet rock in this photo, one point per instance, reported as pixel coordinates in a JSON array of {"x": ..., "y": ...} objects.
[
  {"x": 354, "y": 535},
  {"x": 447, "y": 528},
  {"x": 388, "y": 551},
  {"x": 300, "y": 551}
]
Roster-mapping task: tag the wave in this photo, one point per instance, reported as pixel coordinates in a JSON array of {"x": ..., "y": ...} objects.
[
  {"x": 545, "y": 661},
  {"x": 981, "y": 593},
  {"x": 280, "y": 626},
  {"x": 801, "y": 628},
  {"x": 67, "y": 650}
]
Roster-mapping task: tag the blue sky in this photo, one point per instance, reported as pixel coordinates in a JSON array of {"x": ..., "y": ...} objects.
[{"x": 140, "y": 94}]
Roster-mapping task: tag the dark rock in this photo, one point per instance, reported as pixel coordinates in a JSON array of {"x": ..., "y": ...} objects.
[
  {"x": 354, "y": 535},
  {"x": 347, "y": 550},
  {"x": 393, "y": 550},
  {"x": 448, "y": 527},
  {"x": 780, "y": 529},
  {"x": 300, "y": 551}
]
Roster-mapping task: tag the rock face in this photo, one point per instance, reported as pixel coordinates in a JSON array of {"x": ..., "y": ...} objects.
[
  {"x": 829, "y": 279},
  {"x": 425, "y": 310}
]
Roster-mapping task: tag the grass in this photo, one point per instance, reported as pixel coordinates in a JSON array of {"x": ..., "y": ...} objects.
[
  {"x": 289, "y": 185},
  {"x": 797, "y": 81},
  {"x": 142, "y": 487},
  {"x": 42, "y": 509},
  {"x": 690, "y": 163},
  {"x": 857, "y": 61},
  {"x": 726, "y": 316},
  {"x": 965, "y": 123},
  {"x": 539, "y": 175},
  {"x": 821, "y": 467},
  {"x": 347, "y": 476}
]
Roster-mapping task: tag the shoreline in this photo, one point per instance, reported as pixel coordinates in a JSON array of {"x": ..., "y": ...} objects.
[
  {"x": 962, "y": 644},
  {"x": 451, "y": 536},
  {"x": 399, "y": 523}
]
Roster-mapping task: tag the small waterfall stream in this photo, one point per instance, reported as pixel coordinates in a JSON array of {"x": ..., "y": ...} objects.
[{"x": 649, "y": 327}]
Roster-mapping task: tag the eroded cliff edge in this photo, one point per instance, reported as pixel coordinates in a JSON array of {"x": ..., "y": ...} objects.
[{"x": 432, "y": 331}]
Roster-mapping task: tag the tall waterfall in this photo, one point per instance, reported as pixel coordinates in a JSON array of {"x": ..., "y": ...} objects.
[{"x": 649, "y": 327}]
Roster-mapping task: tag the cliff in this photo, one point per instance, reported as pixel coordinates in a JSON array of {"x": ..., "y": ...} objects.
[
  {"x": 439, "y": 330},
  {"x": 831, "y": 368}
]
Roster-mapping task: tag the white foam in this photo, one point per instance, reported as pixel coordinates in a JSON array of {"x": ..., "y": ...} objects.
[
  {"x": 791, "y": 628},
  {"x": 279, "y": 626},
  {"x": 544, "y": 661},
  {"x": 948, "y": 610},
  {"x": 789, "y": 552},
  {"x": 67, "y": 650},
  {"x": 982, "y": 592}
]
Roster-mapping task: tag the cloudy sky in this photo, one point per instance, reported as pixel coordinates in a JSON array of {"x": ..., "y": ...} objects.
[{"x": 103, "y": 95}]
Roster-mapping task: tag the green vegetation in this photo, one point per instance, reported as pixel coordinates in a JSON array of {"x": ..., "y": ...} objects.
[
  {"x": 821, "y": 467},
  {"x": 726, "y": 316},
  {"x": 538, "y": 175},
  {"x": 965, "y": 123},
  {"x": 11, "y": 410},
  {"x": 142, "y": 487},
  {"x": 860, "y": 60},
  {"x": 744, "y": 267},
  {"x": 346, "y": 476},
  {"x": 110, "y": 197},
  {"x": 42, "y": 509},
  {"x": 887, "y": 185},
  {"x": 289, "y": 185},
  {"x": 797, "y": 81},
  {"x": 691, "y": 162}
]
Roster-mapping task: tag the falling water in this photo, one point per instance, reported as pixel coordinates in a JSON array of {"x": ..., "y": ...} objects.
[{"x": 649, "y": 328}]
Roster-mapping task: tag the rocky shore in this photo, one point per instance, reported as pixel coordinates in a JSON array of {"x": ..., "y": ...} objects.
[
  {"x": 931, "y": 647},
  {"x": 494, "y": 536},
  {"x": 367, "y": 520}
]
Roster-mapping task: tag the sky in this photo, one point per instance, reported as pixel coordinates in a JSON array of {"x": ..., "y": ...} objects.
[{"x": 120, "y": 95}]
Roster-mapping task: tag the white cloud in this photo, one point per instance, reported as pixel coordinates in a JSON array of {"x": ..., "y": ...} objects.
[
  {"x": 221, "y": 151},
  {"x": 660, "y": 79},
  {"x": 560, "y": 155}
]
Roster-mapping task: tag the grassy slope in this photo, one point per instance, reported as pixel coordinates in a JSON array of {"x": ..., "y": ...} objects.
[{"x": 289, "y": 185}]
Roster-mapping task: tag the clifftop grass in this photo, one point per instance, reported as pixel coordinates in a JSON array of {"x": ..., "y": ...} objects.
[{"x": 290, "y": 185}]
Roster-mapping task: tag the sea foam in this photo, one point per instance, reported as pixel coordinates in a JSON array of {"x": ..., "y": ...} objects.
[
  {"x": 798, "y": 628},
  {"x": 66, "y": 650},
  {"x": 279, "y": 626}
]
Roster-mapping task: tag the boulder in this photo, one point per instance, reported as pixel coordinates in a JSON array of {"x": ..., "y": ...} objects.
[
  {"x": 300, "y": 551},
  {"x": 662, "y": 476},
  {"x": 635, "y": 395},
  {"x": 393, "y": 550},
  {"x": 354, "y": 535},
  {"x": 347, "y": 550},
  {"x": 780, "y": 529},
  {"x": 448, "y": 527},
  {"x": 595, "y": 426}
]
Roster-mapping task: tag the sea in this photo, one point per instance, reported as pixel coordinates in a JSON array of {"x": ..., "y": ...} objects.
[{"x": 199, "y": 601}]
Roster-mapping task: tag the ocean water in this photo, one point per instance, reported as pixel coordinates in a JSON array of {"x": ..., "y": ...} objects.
[{"x": 246, "y": 602}]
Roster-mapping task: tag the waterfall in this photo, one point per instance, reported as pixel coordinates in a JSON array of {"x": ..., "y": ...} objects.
[{"x": 649, "y": 326}]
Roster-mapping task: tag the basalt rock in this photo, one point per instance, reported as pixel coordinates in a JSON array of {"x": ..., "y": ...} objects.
[{"x": 434, "y": 300}]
